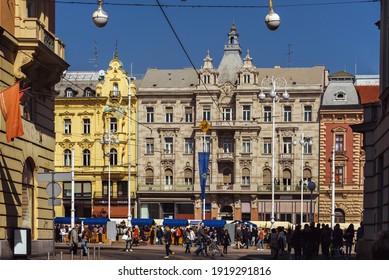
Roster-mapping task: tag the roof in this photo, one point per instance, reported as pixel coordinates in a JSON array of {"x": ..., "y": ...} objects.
[
  {"x": 368, "y": 94},
  {"x": 177, "y": 78}
]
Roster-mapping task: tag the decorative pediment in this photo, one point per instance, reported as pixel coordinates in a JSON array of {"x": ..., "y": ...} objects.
[
  {"x": 245, "y": 163},
  {"x": 85, "y": 144},
  {"x": 66, "y": 144}
]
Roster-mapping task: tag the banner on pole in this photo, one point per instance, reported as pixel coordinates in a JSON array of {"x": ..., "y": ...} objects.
[{"x": 203, "y": 171}]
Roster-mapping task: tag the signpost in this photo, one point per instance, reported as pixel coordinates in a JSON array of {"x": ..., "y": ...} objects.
[{"x": 203, "y": 163}]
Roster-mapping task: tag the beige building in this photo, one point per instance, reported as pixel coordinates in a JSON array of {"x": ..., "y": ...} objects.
[
  {"x": 173, "y": 103},
  {"x": 32, "y": 55},
  {"x": 92, "y": 118}
]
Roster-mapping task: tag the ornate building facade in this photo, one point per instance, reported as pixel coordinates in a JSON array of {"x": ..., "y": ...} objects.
[
  {"x": 95, "y": 117},
  {"x": 173, "y": 103},
  {"x": 32, "y": 55}
]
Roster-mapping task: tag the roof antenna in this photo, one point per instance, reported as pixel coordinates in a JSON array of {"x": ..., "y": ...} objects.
[{"x": 96, "y": 55}]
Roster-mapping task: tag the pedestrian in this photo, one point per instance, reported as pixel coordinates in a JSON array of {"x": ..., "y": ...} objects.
[
  {"x": 152, "y": 235},
  {"x": 186, "y": 240},
  {"x": 226, "y": 241},
  {"x": 85, "y": 236},
  {"x": 192, "y": 237},
  {"x": 297, "y": 242},
  {"x": 136, "y": 235},
  {"x": 73, "y": 240},
  {"x": 239, "y": 238},
  {"x": 325, "y": 239},
  {"x": 128, "y": 238},
  {"x": 348, "y": 239},
  {"x": 273, "y": 238},
  {"x": 261, "y": 240},
  {"x": 202, "y": 238},
  {"x": 360, "y": 232},
  {"x": 337, "y": 240},
  {"x": 168, "y": 242},
  {"x": 159, "y": 234},
  {"x": 63, "y": 234}
]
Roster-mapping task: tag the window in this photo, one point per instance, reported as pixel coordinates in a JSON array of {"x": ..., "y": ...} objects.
[
  {"x": 67, "y": 157},
  {"x": 227, "y": 145},
  {"x": 207, "y": 79},
  {"x": 340, "y": 95},
  {"x": 86, "y": 157},
  {"x": 115, "y": 92},
  {"x": 149, "y": 146},
  {"x": 113, "y": 157},
  {"x": 267, "y": 114},
  {"x": 246, "y": 78},
  {"x": 339, "y": 142},
  {"x": 286, "y": 179},
  {"x": 188, "y": 146},
  {"x": 67, "y": 126},
  {"x": 245, "y": 177},
  {"x": 287, "y": 113},
  {"x": 266, "y": 177},
  {"x": 149, "y": 114},
  {"x": 227, "y": 114},
  {"x": 106, "y": 187},
  {"x": 207, "y": 114},
  {"x": 246, "y": 113},
  {"x": 287, "y": 147},
  {"x": 227, "y": 176},
  {"x": 169, "y": 177},
  {"x": 168, "y": 145},
  {"x": 88, "y": 92},
  {"x": 169, "y": 114},
  {"x": 246, "y": 146},
  {"x": 307, "y": 113},
  {"x": 86, "y": 126},
  {"x": 113, "y": 125},
  {"x": 149, "y": 177},
  {"x": 81, "y": 189},
  {"x": 188, "y": 177},
  {"x": 69, "y": 92},
  {"x": 206, "y": 144},
  {"x": 267, "y": 145},
  {"x": 307, "y": 147},
  {"x": 188, "y": 114},
  {"x": 122, "y": 188},
  {"x": 339, "y": 174}
]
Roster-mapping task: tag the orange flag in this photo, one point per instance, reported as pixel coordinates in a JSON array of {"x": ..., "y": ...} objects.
[{"x": 10, "y": 109}]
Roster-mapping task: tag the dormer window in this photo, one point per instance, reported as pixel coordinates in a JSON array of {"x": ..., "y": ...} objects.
[
  {"x": 246, "y": 78},
  {"x": 115, "y": 92},
  {"x": 88, "y": 92},
  {"x": 69, "y": 92},
  {"x": 207, "y": 79},
  {"x": 340, "y": 95}
]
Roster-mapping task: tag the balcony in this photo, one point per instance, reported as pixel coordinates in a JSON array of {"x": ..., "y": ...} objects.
[
  {"x": 284, "y": 188},
  {"x": 223, "y": 187},
  {"x": 165, "y": 188},
  {"x": 100, "y": 198},
  {"x": 225, "y": 157}
]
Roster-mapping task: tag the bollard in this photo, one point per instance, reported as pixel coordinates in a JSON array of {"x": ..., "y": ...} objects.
[
  {"x": 48, "y": 255},
  {"x": 94, "y": 253},
  {"x": 71, "y": 255},
  {"x": 98, "y": 253},
  {"x": 61, "y": 255}
]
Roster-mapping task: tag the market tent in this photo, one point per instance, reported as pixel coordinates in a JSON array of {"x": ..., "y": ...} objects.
[
  {"x": 246, "y": 223},
  {"x": 214, "y": 223},
  {"x": 175, "y": 222},
  {"x": 142, "y": 222},
  {"x": 65, "y": 220},
  {"x": 94, "y": 221}
]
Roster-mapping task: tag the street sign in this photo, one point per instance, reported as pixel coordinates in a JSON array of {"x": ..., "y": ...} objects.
[
  {"x": 204, "y": 126},
  {"x": 58, "y": 176},
  {"x": 53, "y": 189},
  {"x": 57, "y": 202}
]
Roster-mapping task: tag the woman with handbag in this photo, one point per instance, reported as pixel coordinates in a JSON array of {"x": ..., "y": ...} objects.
[{"x": 127, "y": 236}]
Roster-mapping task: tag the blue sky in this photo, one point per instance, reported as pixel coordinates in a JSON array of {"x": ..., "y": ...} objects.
[{"x": 339, "y": 34}]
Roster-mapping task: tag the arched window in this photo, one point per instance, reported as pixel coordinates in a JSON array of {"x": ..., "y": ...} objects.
[
  {"x": 115, "y": 92},
  {"x": 86, "y": 157},
  {"x": 340, "y": 216},
  {"x": 67, "y": 157},
  {"x": 227, "y": 176},
  {"x": 245, "y": 177},
  {"x": 266, "y": 177},
  {"x": 188, "y": 177},
  {"x": 307, "y": 175},
  {"x": 286, "y": 179},
  {"x": 113, "y": 157},
  {"x": 149, "y": 176}
]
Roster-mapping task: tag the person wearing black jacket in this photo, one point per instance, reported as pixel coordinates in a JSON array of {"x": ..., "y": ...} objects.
[{"x": 168, "y": 242}]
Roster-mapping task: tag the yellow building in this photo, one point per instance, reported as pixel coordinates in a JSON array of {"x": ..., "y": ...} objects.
[
  {"x": 32, "y": 55},
  {"x": 91, "y": 118}
]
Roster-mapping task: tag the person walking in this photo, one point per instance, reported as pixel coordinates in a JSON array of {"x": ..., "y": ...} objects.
[
  {"x": 186, "y": 240},
  {"x": 297, "y": 242},
  {"x": 159, "y": 234},
  {"x": 226, "y": 241},
  {"x": 202, "y": 238},
  {"x": 73, "y": 240},
  {"x": 85, "y": 236},
  {"x": 168, "y": 242},
  {"x": 128, "y": 239},
  {"x": 261, "y": 240},
  {"x": 273, "y": 238},
  {"x": 348, "y": 239},
  {"x": 325, "y": 239}
]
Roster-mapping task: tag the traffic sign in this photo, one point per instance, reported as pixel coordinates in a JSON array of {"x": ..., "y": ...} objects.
[
  {"x": 56, "y": 201},
  {"x": 53, "y": 189},
  {"x": 204, "y": 126},
  {"x": 58, "y": 176}
]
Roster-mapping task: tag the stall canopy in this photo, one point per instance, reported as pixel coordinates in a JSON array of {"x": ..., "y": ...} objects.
[
  {"x": 246, "y": 223},
  {"x": 214, "y": 223},
  {"x": 94, "y": 221},
  {"x": 175, "y": 222},
  {"x": 65, "y": 220},
  {"x": 142, "y": 222}
]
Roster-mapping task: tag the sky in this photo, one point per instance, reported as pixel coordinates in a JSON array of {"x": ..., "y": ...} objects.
[{"x": 339, "y": 34}]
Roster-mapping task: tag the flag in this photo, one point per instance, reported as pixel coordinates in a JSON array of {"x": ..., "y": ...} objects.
[
  {"x": 203, "y": 170},
  {"x": 10, "y": 109}
]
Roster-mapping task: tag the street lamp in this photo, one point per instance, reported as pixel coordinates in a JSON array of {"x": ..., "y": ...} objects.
[
  {"x": 273, "y": 83},
  {"x": 109, "y": 140},
  {"x": 303, "y": 142},
  {"x": 311, "y": 187},
  {"x": 272, "y": 19},
  {"x": 100, "y": 17}
]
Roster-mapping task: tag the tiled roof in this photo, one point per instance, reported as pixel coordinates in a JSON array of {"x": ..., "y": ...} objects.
[{"x": 368, "y": 94}]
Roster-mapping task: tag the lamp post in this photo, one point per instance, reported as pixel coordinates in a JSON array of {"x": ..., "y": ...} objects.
[
  {"x": 273, "y": 83},
  {"x": 100, "y": 17},
  {"x": 311, "y": 187},
  {"x": 272, "y": 19},
  {"x": 303, "y": 142},
  {"x": 109, "y": 140}
]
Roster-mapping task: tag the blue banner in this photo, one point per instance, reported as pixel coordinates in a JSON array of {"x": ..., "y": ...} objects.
[{"x": 203, "y": 171}]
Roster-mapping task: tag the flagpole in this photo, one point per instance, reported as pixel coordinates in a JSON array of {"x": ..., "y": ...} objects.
[{"x": 204, "y": 195}]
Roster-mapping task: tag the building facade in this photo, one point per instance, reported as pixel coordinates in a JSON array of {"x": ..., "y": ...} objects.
[
  {"x": 95, "y": 120},
  {"x": 173, "y": 103},
  {"x": 31, "y": 55},
  {"x": 342, "y": 158}
]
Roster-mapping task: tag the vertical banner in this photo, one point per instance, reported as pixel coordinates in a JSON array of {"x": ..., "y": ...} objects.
[
  {"x": 203, "y": 171},
  {"x": 10, "y": 109}
]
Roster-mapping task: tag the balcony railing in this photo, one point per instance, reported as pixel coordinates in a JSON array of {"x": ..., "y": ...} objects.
[
  {"x": 165, "y": 188},
  {"x": 284, "y": 188},
  {"x": 223, "y": 187},
  {"x": 225, "y": 156}
]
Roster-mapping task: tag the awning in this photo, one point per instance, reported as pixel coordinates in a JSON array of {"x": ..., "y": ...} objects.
[
  {"x": 246, "y": 223},
  {"x": 94, "y": 221},
  {"x": 194, "y": 222},
  {"x": 65, "y": 220},
  {"x": 142, "y": 222},
  {"x": 214, "y": 223},
  {"x": 175, "y": 222}
]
